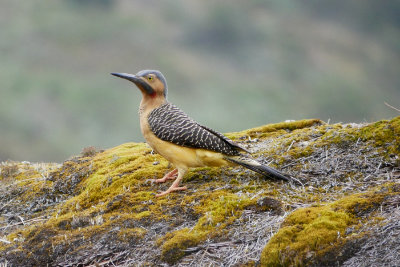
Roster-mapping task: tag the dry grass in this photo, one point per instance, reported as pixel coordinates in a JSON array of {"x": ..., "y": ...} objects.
[{"x": 101, "y": 210}]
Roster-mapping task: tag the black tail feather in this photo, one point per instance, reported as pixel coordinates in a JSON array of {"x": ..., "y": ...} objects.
[{"x": 259, "y": 168}]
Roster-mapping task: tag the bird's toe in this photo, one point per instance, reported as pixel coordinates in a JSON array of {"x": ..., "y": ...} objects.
[{"x": 171, "y": 189}]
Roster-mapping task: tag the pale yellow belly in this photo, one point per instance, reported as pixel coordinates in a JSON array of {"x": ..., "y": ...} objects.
[
  {"x": 181, "y": 157},
  {"x": 184, "y": 157}
]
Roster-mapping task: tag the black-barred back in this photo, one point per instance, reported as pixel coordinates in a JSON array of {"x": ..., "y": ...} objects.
[{"x": 171, "y": 124}]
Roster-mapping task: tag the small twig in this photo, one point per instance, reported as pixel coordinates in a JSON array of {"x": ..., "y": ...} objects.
[
  {"x": 398, "y": 110},
  {"x": 258, "y": 193},
  {"x": 358, "y": 140},
  {"x": 22, "y": 219},
  {"x": 5, "y": 241},
  {"x": 290, "y": 146},
  {"x": 214, "y": 245},
  {"x": 296, "y": 181},
  {"x": 205, "y": 252},
  {"x": 30, "y": 179},
  {"x": 22, "y": 222},
  {"x": 379, "y": 166}
]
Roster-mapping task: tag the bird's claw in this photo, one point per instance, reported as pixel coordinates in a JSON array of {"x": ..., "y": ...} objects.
[
  {"x": 172, "y": 189},
  {"x": 169, "y": 176},
  {"x": 164, "y": 179}
]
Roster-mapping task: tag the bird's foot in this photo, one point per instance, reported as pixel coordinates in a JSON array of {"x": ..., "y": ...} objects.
[
  {"x": 169, "y": 176},
  {"x": 172, "y": 189}
]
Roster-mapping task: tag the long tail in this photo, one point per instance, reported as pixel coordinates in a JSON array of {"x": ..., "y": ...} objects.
[{"x": 256, "y": 166}]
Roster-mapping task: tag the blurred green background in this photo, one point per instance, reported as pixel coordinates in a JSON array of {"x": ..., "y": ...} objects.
[{"x": 230, "y": 65}]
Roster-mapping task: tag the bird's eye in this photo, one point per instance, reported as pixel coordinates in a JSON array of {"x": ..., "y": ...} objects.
[{"x": 150, "y": 78}]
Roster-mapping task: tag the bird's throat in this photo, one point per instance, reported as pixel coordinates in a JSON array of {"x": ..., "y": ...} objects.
[{"x": 150, "y": 102}]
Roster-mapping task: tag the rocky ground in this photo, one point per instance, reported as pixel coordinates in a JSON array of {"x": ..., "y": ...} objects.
[{"x": 100, "y": 209}]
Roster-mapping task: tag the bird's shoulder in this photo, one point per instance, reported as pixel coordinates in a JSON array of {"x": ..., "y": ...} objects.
[{"x": 170, "y": 123}]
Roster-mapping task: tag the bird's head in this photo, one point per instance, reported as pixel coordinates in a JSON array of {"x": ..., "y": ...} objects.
[{"x": 151, "y": 83}]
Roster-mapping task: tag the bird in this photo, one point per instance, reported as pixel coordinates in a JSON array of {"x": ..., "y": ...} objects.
[{"x": 180, "y": 139}]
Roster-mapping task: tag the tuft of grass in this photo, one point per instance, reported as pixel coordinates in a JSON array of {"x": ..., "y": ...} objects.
[{"x": 89, "y": 151}]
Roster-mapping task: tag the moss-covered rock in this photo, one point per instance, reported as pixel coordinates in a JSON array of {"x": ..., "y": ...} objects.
[
  {"x": 308, "y": 234},
  {"x": 100, "y": 207}
]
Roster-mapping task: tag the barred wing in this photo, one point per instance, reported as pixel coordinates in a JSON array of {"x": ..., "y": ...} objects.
[{"x": 171, "y": 124}]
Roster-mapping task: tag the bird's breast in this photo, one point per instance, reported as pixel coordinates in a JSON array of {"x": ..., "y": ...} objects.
[{"x": 180, "y": 156}]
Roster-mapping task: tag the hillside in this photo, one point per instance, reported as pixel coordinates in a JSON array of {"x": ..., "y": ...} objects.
[
  {"x": 99, "y": 208},
  {"x": 263, "y": 61}
]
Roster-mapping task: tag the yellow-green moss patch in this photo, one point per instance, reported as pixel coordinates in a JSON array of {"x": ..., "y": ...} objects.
[
  {"x": 383, "y": 133},
  {"x": 109, "y": 196},
  {"x": 219, "y": 210},
  {"x": 176, "y": 242},
  {"x": 264, "y": 130},
  {"x": 317, "y": 229}
]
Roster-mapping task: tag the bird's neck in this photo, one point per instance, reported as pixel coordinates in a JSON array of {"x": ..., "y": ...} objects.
[{"x": 149, "y": 103}]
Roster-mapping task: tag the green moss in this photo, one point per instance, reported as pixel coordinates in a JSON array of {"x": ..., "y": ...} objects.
[
  {"x": 111, "y": 183},
  {"x": 264, "y": 131},
  {"x": 219, "y": 210},
  {"x": 31, "y": 178},
  {"x": 360, "y": 204},
  {"x": 118, "y": 171},
  {"x": 315, "y": 230},
  {"x": 176, "y": 242},
  {"x": 300, "y": 152},
  {"x": 308, "y": 229},
  {"x": 383, "y": 133},
  {"x": 129, "y": 234},
  {"x": 142, "y": 215},
  {"x": 113, "y": 188}
]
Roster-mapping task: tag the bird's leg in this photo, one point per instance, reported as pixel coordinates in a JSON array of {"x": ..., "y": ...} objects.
[
  {"x": 169, "y": 176},
  {"x": 175, "y": 185}
]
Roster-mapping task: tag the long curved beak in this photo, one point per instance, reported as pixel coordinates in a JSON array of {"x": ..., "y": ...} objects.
[{"x": 136, "y": 80}]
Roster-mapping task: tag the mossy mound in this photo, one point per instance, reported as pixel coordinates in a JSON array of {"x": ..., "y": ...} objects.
[
  {"x": 100, "y": 207},
  {"x": 307, "y": 235}
]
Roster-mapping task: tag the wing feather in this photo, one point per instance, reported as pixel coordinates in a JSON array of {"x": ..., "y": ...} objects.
[{"x": 171, "y": 124}]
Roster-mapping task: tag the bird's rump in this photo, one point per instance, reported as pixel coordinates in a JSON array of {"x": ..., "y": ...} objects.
[{"x": 171, "y": 124}]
